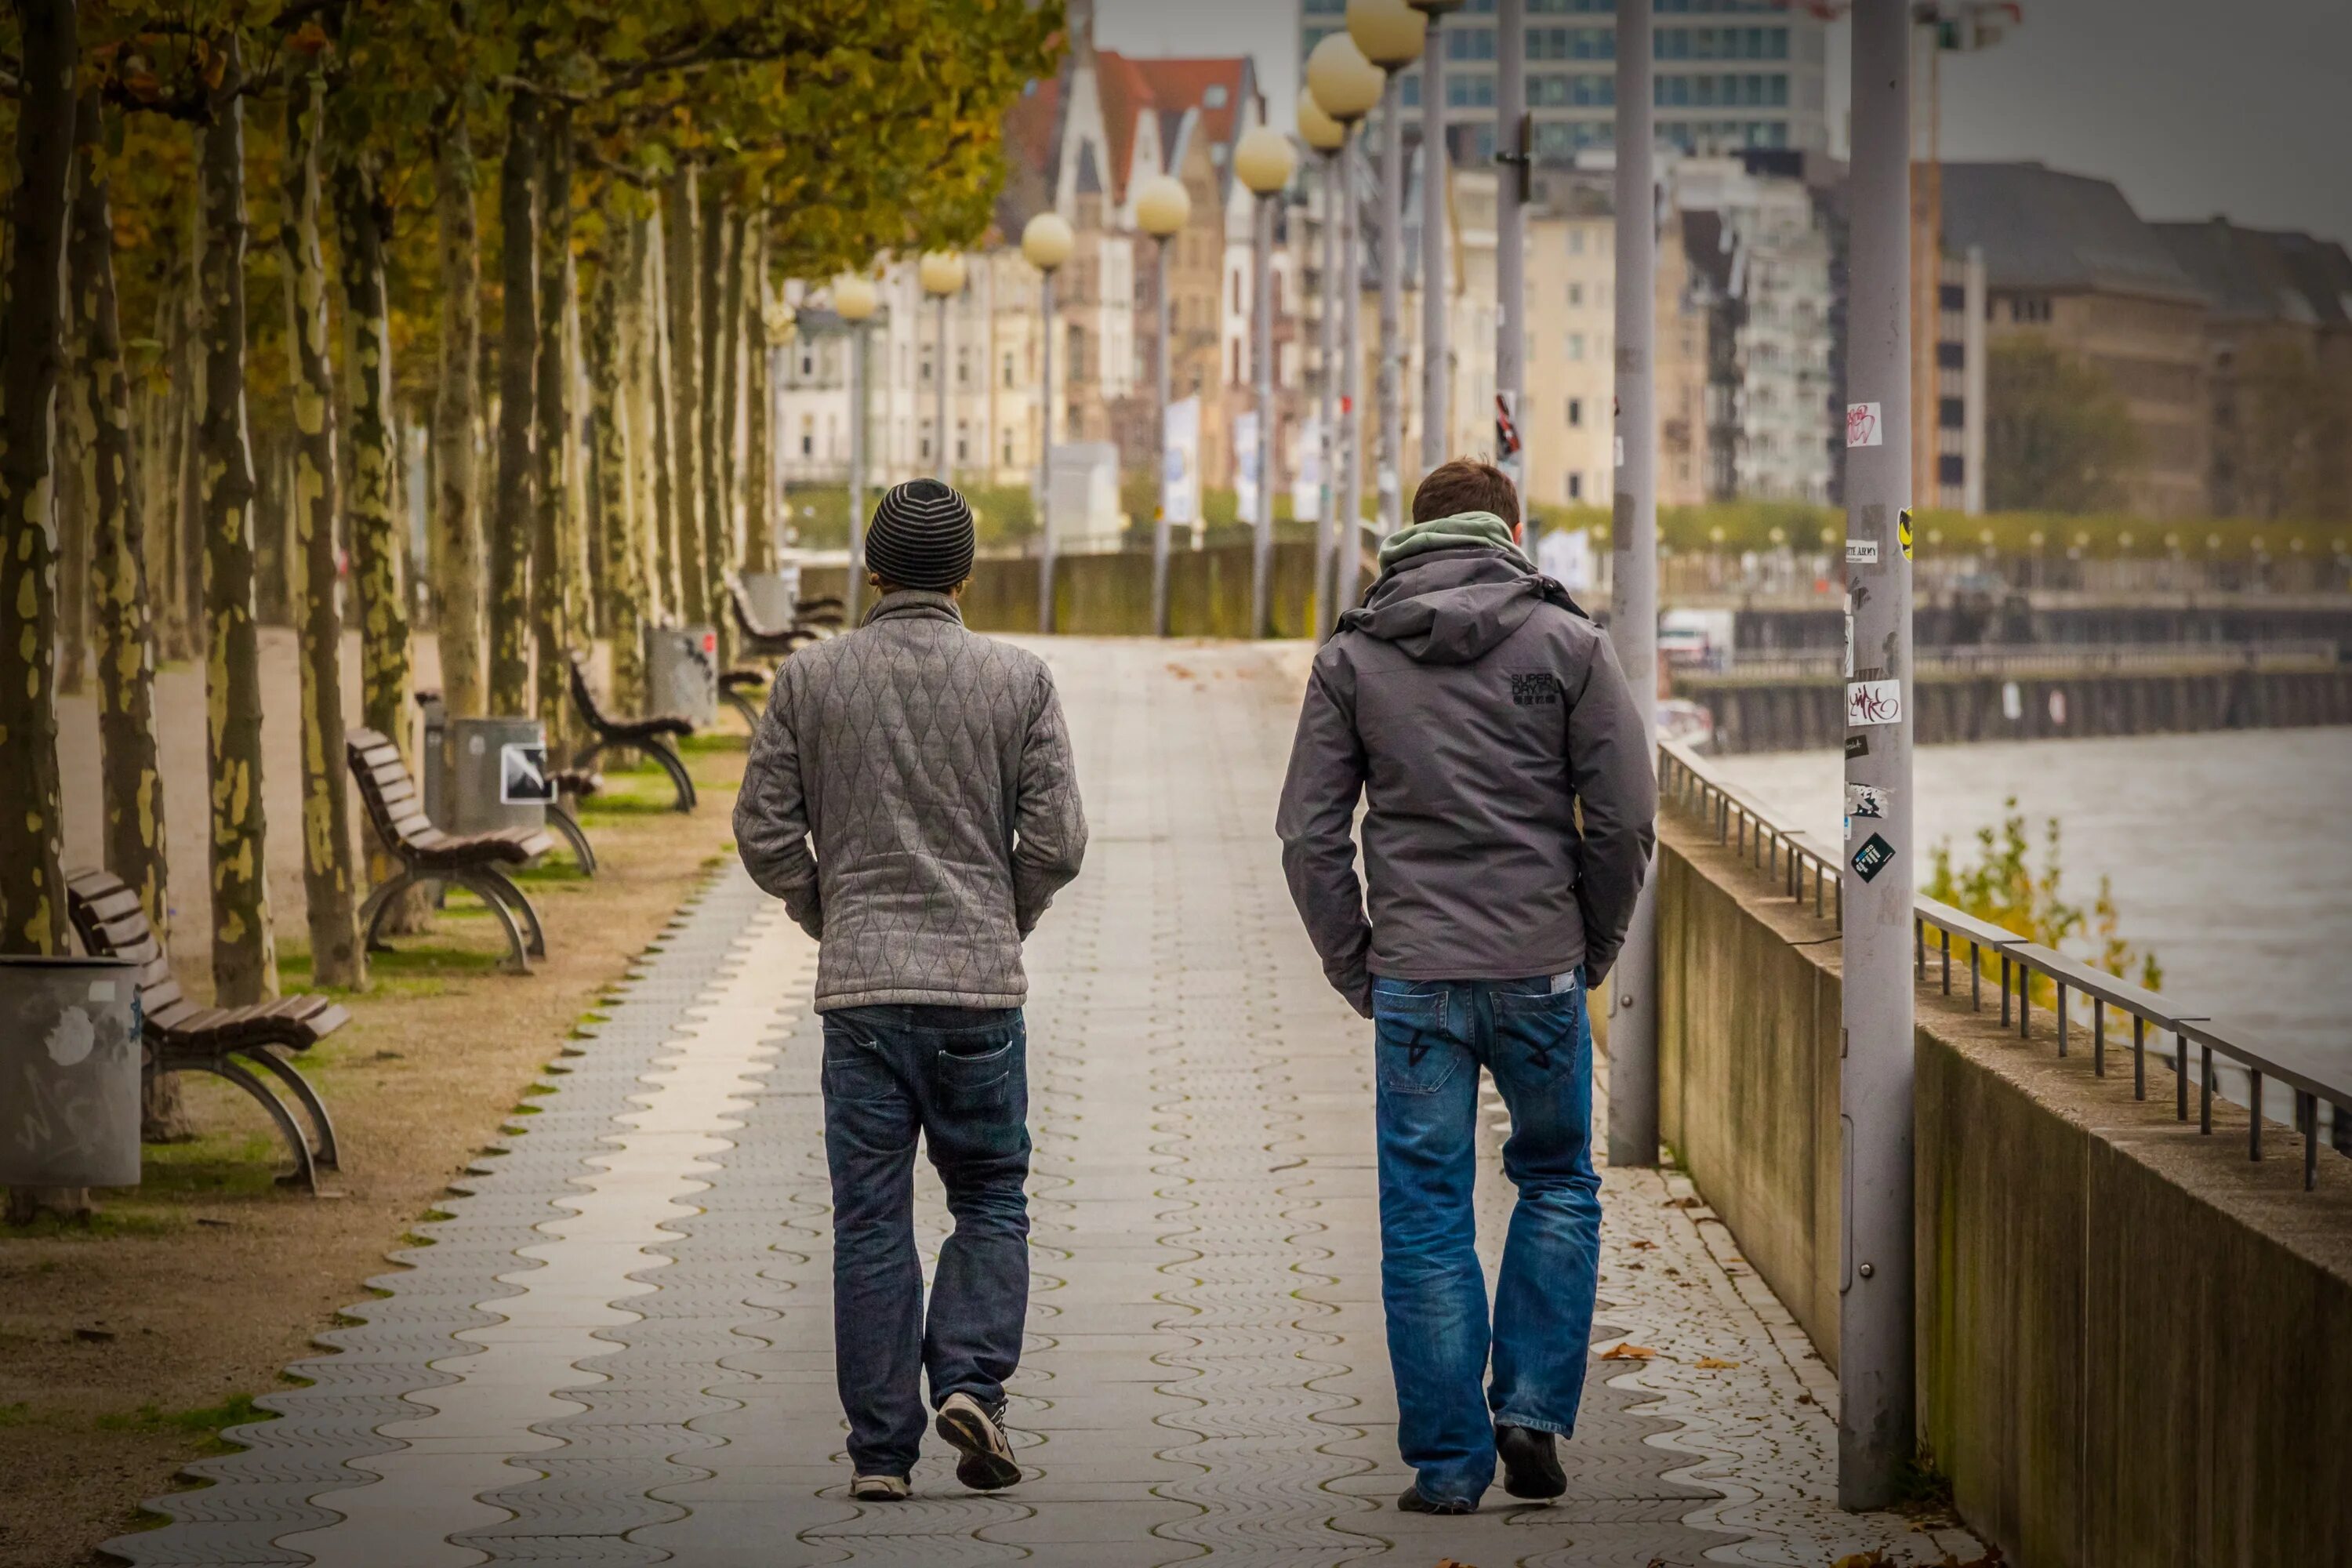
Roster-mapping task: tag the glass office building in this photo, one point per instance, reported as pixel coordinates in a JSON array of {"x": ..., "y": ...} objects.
[{"x": 1730, "y": 74}]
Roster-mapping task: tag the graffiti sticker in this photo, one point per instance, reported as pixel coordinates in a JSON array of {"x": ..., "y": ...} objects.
[
  {"x": 1873, "y": 702},
  {"x": 1872, "y": 858},
  {"x": 1863, "y": 426}
]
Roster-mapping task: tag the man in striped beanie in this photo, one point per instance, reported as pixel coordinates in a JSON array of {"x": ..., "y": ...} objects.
[{"x": 911, "y": 799}]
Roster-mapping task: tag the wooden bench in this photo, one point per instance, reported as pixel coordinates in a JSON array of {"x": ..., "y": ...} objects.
[
  {"x": 474, "y": 861},
  {"x": 650, "y": 736},
  {"x": 228, "y": 1042},
  {"x": 573, "y": 785},
  {"x": 737, "y": 687},
  {"x": 812, "y": 620}
]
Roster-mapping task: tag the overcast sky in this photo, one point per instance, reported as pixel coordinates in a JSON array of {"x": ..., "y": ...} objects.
[{"x": 2194, "y": 107}]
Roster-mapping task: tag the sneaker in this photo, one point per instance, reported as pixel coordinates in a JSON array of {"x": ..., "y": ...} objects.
[
  {"x": 1411, "y": 1501},
  {"x": 1531, "y": 1463},
  {"x": 978, "y": 1433},
  {"x": 879, "y": 1489}
]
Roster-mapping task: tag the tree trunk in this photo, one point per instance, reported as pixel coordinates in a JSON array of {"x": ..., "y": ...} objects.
[
  {"x": 653, "y": 368},
  {"x": 73, "y": 547},
  {"x": 378, "y": 540},
  {"x": 32, "y": 352},
  {"x": 314, "y": 500},
  {"x": 166, "y": 430},
  {"x": 552, "y": 566},
  {"x": 683, "y": 265},
  {"x": 735, "y": 355},
  {"x": 244, "y": 948},
  {"x": 716, "y": 435},
  {"x": 457, "y": 524},
  {"x": 190, "y": 547},
  {"x": 131, "y": 781},
  {"x": 510, "y": 531},
  {"x": 616, "y": 510},
  {"x": 760, "y": 406}
]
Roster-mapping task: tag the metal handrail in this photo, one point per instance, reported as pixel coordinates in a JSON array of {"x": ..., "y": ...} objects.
[
  {"x": 2048, "y": 658},
  {"x": 1743, "y": 824}
]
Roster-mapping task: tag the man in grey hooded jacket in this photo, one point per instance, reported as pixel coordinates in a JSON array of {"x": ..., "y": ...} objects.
[{"x": 1510, "y": 795}]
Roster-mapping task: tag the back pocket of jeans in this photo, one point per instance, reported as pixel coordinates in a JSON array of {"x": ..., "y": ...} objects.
[
  {"x": 979, "y": 1083},
  {"x": 1540, "y": 1033},
  {"x": 1416, "y": 1055}
]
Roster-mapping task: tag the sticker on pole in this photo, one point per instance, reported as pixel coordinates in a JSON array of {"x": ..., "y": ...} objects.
[
  {"x": 1873, "y": 702},
  {"x": 1862, "y": 553},
  {"x": 1863, "y": 426},
  {"x": 1856, "y": 746},
  {"x": 1507, "y": 427},
  {"x": 1872, "y": 858},
  {"x": 1902, "y": 533},
  {"x": 1864, "y": 800},
  {"x": 523, "y": 778}
]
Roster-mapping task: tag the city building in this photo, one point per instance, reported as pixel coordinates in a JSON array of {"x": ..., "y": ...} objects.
[
  {"x": 1729, "y": 74},
  {"x": 2066, "y": 259},
  {"x": 2278, "y": 366}
]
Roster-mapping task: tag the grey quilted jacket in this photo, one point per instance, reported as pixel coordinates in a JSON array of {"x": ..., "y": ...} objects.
[{"x": 910, "y": 797}]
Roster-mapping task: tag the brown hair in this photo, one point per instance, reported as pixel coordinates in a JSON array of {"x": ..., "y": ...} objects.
[{"x": 1463, "y": 486}]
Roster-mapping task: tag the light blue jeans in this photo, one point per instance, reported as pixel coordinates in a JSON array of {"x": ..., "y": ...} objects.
[{"x": 1433, "y": 1037}]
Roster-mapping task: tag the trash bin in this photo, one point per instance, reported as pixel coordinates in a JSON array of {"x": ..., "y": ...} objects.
[
  {"x": 499, "y": 775},
  {"x": 774, "y": 596},
  {"x": 69, "y": 1057},
  {"x": 434, "y": 764},
  {"x": 682, "y": 673}
]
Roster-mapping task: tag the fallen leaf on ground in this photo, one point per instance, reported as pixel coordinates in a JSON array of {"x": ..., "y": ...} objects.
[
  {"x": 1628, "y": 1350},
  {"x": 1712, "y": 1361},
  {"x": 1643, "y": 1245}
]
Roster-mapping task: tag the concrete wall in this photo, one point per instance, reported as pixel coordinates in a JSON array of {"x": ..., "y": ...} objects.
[{"x": 2135, "y": 1346}]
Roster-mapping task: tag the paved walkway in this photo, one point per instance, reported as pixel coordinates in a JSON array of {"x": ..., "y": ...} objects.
[{"x": 618, "y": 1347}]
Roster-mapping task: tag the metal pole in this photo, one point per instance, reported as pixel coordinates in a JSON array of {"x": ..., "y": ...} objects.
[
  {"x": 1434, "y": 171},
  {"x": 856, "y": 587},
  {"x": 1159, "y": 521},
  {"x": 940, "y": 373},
  {"x": 1874, "y": 1319},
  {"x": 1347, "y": 564},
  {"x": 1046, "y": 465},
  {"x": 1510, "y": 230},
  {"x": 1327, "y": 435},
  {"x": 1634, "y": 586},
  {"x": 1391, "y": 453},
  {"x": 1261, "y": 535}
]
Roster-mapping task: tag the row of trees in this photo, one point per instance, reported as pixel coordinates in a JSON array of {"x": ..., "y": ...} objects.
[{"x": 477, "y": 216}]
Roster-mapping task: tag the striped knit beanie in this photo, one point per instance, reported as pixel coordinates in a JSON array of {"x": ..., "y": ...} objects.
[{"x": 921, "y": 537}]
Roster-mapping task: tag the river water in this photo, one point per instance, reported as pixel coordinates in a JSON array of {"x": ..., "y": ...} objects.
[{"x": 2230, "y": 854}]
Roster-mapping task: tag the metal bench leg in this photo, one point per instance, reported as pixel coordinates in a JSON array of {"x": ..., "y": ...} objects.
[
  {"x": 306, "y": 1170},
  {"x": 379, "y": 903},
  {"x": 672, "y": 765},
  {"x": 326, "y": 1152},
  {"x": 586, "y": 757},
  {"x": 518, "y": 952},
  {"x": 534, "y": 934},
  {"x": 566, "y": 824},
  {"x": 743, "y": 705}
]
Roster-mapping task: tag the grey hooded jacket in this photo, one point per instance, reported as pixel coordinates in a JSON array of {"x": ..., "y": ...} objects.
[
  {"x": 1476, "y": 710},
  {"x": 928, "y": 769}
]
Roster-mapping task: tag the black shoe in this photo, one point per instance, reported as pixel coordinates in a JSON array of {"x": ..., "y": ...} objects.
[
  {"x": 1531, "y": 1463},
  {"x": 1411, "y": 1501},
  {"x": 978, "y": 1433}
]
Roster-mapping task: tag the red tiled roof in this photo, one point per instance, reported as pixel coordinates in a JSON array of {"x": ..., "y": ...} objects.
[
  {"x": 1126, "y": 94},
  {"x": 1128, "y": 88},
  {"x": 1180, "y": 85},
  {"x": 1030, "y": 126}
]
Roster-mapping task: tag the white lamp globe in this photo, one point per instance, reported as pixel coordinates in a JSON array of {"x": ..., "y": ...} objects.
[
  {"x": 1390, "y": 33},
  {"x": 1046, "y": 241},
  {"x": 1346, "y": 85},
  {"x": 942, "y": 273},
  {"x": 1265, "y": 160},
  {"x": 1162, "y": 206},
  {"x": 855, "y": 298},
  {"x": 1316, "y": 129}
]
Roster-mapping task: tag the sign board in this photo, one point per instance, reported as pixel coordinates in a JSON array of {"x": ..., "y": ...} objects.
[
  {"x": 1180, "y": 483},
  {"x": 1245, "y": 467}
]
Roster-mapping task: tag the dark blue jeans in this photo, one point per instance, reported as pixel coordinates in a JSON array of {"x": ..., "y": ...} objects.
[
  {"x": 958, "y": 1077},
  {"x": 1433, "y": 1037}
]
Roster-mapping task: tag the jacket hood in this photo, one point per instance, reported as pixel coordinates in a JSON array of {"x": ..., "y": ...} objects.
[{"x": 1454, "y": 605}]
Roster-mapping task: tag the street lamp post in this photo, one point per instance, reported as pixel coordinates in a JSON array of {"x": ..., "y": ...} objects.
[
  {"x": 1436, "y": 367},
  {"x": 1391, "y": 33},
  {"x": 1328, "y": 137},
  {"x": 1633, "y": 572},
  {"x": 1162, "y": 207},
  {"x": 1345, "y": 87},
  {"x": 941, "y": 274},
  {"x": 1265, "y": 160},
  {"x": 1875, "y": 1442},
  {"x": 1513, "y": 154},
  {"x": 1046, "y": 243},
  {"x": 854, "y": 300}
]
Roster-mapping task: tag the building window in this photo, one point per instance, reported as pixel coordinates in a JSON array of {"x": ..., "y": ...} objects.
[
  {"x": 1008, "y": 370},
  {"x": 808, "y": 435},
  {"x": 1213, "y": 96},
  {"x": 1575, "y": 345},
  {"x": 1951, "y": 356},
  {"x": 963, "y": 442},
  {"x": 1576, "y": 487},
  {"x": 1008, "y": 449},
  {"x": 2029, "y": 308},
  {"x": 1575, "y": 296},
  {"x": 1951, "y": 297},
  {"x": 1576, "y": 413},
  {"x": 1951, "y": 469},
  {"x": 1951, "y": 412}
]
